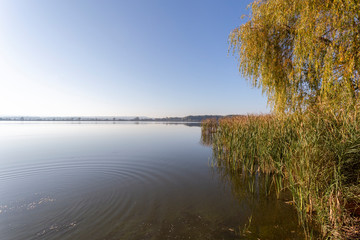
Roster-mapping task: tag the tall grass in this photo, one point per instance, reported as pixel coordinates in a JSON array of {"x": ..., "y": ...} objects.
[
  {"x": 209, "y": 127},
  {"x": 316, "y": 155}
]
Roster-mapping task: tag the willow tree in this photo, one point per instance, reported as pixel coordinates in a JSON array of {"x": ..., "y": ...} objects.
[{"x": 301, "y": 52}]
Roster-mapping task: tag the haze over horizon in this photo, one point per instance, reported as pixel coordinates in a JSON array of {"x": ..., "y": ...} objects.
[{"x": 122, "y": 58}]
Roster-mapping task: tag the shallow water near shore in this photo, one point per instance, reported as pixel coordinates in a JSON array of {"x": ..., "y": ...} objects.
[{"x": 126, "y": 180}]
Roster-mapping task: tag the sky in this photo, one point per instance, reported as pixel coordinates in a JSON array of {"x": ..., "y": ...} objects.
[{"x": 155, "y": 58}]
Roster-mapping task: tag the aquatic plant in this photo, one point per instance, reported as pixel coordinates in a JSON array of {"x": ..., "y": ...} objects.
[
  {"x": 315, "y": 155},
  {"x": 210, "y": 124}
]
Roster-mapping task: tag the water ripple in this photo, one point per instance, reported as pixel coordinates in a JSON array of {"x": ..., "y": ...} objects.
[{"x": 94, "y": 191}]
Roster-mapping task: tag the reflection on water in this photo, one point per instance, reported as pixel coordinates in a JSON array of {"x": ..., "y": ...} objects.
[
  {"x": 126, "y": 181},
  {"x": 270, "y": 216}
]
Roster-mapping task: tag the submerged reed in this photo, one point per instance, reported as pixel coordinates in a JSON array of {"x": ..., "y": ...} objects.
[
  {"x": 209, "y": 126},
  {"x": 315, "y": 155}
]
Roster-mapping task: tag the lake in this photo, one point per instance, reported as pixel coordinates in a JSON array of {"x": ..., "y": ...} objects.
[{"x": 127, "y": 180}]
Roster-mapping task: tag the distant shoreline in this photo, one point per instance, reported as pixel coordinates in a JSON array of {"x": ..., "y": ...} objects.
[{"x": 197, "y": 118}]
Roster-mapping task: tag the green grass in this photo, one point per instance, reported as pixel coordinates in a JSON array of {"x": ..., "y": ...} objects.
[{"x": 315, "y": 155}]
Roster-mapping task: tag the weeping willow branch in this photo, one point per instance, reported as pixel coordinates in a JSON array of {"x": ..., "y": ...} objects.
[{"x": 301, "y": 52}]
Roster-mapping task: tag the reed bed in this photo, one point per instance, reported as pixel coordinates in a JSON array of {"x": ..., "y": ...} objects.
[
  {"x": 315, "y": 155},
  {"x": 209, "y": 127}
]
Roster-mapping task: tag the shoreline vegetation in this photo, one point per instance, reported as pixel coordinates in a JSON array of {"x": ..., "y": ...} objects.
[
  {"x": 305, "y": 56},
  {"x": 314, "y": 155}
]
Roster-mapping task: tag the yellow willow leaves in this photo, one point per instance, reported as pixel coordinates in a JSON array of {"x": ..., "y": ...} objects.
[{"x": 301, "y": 52}]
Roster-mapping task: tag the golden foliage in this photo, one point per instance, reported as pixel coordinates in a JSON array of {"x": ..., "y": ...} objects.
[{"x": 301, "y": 52}]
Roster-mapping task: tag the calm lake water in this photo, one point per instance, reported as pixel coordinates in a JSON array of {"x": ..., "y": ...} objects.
[{"x": 65, "y": 180}]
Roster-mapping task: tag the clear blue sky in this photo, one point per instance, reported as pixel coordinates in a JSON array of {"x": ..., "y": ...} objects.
[{"x": 122, "y": 58}]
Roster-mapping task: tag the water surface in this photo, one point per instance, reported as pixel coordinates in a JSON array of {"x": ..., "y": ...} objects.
[{"x": 65, "y": 180}]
